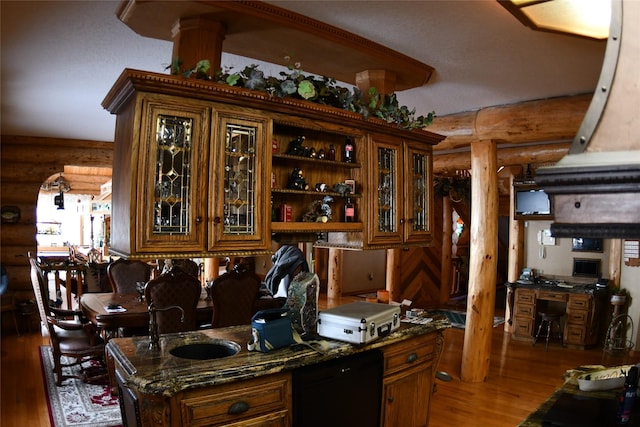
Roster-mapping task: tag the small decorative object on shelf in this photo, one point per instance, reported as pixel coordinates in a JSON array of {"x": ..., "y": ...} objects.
[
  {"x": 286, "y": 213},
  {"x": 342, "y": 188},
  {"x": 349, "y": 211},
  {"x": 321, "y": 187},
  {"x": 297, "y": 181},
  {"x": 352, "y": 185},
  {"x": 296, "y": 148},
  {"x": 319, "y": 210},
  {"x": 331, "y": 154},
  {"x": 321, "y": 154},
  {"x": 349, "y": 151}
]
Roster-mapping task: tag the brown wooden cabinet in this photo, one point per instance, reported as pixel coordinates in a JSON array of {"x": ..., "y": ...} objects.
[
  {"x": 153, "y": 393},
  {"x": 196, "y": 173},
  {"x": 317, "y": 169},
  {"x": 524, "y": 313},
  {"x": 409, "y": 370},
  {"x": 579, "y": 321},
  {"x": 400, "y": 192},
  {"x": 264, "y": 401}
]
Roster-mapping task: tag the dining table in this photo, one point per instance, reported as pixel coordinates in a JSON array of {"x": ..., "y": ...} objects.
[{"x": 132, "y": 313}]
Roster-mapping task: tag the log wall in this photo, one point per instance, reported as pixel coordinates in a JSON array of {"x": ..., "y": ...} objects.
[{"x": 25, "y": 163}]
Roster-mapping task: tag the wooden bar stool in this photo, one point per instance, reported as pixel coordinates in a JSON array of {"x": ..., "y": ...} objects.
[{"x": 548, "y": 319}]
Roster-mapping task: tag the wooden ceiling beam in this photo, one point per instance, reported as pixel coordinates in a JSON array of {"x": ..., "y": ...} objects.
[
  {"x": 265, "y": 32},
  {"x": 539, "y": 121},
  {"x": 509, "y": 156}
]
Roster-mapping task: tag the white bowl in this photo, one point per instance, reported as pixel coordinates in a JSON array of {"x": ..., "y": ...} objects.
[{"x": 604, "y": 379}]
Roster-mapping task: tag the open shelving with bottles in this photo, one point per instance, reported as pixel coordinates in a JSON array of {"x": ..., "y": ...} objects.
[{"x": 312, "y": 162}]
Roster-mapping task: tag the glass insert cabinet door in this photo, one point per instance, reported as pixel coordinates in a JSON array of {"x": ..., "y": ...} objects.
[
  {"x": 240, "y": 210},
  {"x": 171, "y": 211},
  {"x": 418, "y": 194},
  {"x": 402, "y": 197},
  {"x": 384, "y": 225}
]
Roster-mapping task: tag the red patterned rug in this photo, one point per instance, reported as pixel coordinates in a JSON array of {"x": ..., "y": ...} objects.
[{"x": 75, "y": 403}]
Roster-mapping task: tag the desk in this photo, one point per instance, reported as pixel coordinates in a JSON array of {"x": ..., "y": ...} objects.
[
  {"x": 584, "y": 307},
  {"x": 137, "y": 314}
]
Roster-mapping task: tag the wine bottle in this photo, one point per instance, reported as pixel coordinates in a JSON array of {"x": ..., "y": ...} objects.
[
  {"x": 331, "y": 154},
  {"x": 349, "y": 151},
  {"x": 349, "y": 211}
]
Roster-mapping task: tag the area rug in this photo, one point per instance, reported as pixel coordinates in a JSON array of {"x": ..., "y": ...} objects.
[
  {"x": 75, "y": 403},
  {"x": 458, "y": 319}
]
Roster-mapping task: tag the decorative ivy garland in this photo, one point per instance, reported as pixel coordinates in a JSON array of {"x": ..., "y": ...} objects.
[
  {"x": 457, "y": 187},
  {"x": 323, "y": 90}
]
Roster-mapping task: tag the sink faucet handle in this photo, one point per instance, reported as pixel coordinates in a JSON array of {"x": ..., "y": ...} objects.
[{"x": 154, "y": 337}]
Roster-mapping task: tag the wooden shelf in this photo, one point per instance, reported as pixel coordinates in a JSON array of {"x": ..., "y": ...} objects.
[
  {"x": 328, "y": 163},
  {"x": 309, "y": 227}
]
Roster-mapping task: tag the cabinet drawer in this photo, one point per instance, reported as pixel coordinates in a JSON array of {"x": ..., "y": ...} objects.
[
  {"x": 523, "y": 327},
  {"x": 408, "y": 354},
  {"x": 577, "y": 317},
  {"x": 525, "y": 310},
  {"x": 237, "y": 402},
  {"x": 525, "y": 296},
  {"x": 579, "y": 302},
  {"x": 552, "y": 296},
  {"x": 575, "y": 335}
]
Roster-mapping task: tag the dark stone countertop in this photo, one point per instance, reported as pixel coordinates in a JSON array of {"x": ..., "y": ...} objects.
[
  {"x": 566, "y": 284},
  {"x": 160, "y": 373},
  {"x": 570, "y": 386}
]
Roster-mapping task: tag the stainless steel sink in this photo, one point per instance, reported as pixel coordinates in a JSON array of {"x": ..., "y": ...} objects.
[{"x": 216, "y": 349}]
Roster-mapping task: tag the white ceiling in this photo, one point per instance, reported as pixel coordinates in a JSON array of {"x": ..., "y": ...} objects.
[{"x": 60, "y": 58}]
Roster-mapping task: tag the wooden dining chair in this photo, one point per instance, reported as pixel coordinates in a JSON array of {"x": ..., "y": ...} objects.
[
  {"x": 123, "y": 275},
  {"x": 234, "y": 296},
  {"x": 70, "y": 334},
  {"x": 171, "y": 289}
]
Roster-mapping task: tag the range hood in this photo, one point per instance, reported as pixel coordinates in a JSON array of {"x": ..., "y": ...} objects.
[{"x": 596, "y": 186}]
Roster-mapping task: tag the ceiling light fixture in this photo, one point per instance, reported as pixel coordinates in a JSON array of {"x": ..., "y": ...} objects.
[{"x": 584, "y": 18}]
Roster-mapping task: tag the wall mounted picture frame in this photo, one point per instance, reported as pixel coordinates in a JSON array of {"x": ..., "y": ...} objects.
[{"x": 10, "y": 214}]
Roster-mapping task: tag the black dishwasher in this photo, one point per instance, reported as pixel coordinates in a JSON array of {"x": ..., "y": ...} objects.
[{"x": 343, "y": 392}]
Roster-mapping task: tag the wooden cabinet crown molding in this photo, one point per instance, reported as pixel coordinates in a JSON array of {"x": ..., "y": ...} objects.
[{"x": 132, "y": 81}]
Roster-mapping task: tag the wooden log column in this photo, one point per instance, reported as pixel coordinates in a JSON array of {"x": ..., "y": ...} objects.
[
  {"x": 392, "y": 274},
  {"x": 516, "y": 255},
  {"x": 482, "y": 262},
  {"x": 334, "y": 282},
  {"x": 447, "y": 247}
]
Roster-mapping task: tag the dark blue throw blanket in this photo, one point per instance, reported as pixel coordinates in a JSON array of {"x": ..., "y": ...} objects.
[{"x": 286, "y": 262}]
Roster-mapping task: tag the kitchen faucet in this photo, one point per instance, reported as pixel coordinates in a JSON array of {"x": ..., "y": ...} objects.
[{"x": 154, "y": 339}]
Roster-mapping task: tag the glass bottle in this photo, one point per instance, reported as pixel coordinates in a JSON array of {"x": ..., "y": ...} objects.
[
  {"x": 349, "y": 211},
  {"x": 331, "y": 154},
  {"x": 349, "y": 151}
]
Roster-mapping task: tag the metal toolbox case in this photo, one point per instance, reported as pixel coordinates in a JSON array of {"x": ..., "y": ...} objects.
[{"x": 358, "y": 322}]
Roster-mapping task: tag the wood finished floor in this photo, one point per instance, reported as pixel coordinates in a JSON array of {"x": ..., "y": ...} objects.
[{"x": 521, "y": 377}]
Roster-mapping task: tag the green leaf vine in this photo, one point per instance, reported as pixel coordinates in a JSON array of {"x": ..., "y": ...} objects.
[{"x": 323, "y": 90}]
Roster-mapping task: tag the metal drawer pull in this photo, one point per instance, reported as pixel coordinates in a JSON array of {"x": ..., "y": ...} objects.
[
  {"x": 412, "y": 358},
  {"x": 238, "y": 408}
]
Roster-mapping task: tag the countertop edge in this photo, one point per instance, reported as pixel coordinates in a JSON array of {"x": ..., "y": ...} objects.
[{"x": 166, "y": 375}]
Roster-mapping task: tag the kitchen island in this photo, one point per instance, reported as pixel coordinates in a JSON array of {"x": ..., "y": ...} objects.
[
  {"x": 570, "y": 406},
  {"x": 253, "y": 388}
]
